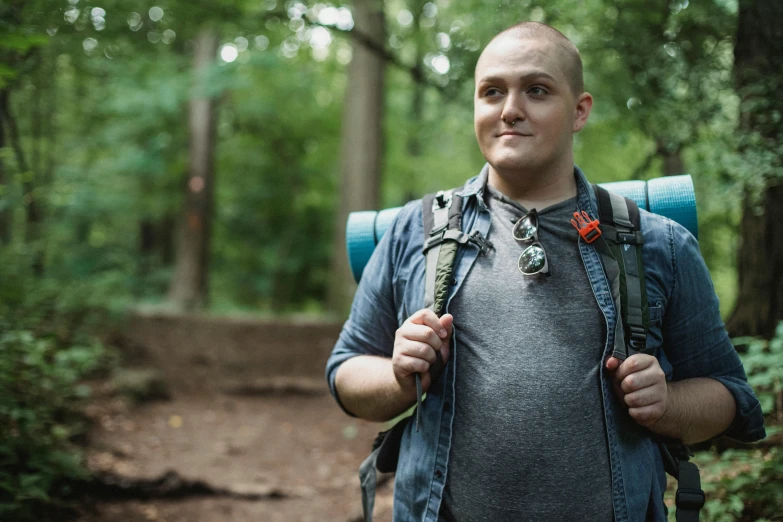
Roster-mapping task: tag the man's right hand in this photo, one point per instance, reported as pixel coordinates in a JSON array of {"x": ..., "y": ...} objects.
[{"x": 416, "y": 344}]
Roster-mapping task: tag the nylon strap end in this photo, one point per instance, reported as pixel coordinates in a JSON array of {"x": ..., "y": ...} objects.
[{"x": 418, "y": 401}]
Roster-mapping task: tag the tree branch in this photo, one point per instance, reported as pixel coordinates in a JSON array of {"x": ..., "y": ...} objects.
[
  {"x": 379, "y": 49},
  {"x": 371, "y": 44}
]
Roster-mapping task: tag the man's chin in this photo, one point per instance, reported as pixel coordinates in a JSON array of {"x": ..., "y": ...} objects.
[{"x": 511, "y": 164}]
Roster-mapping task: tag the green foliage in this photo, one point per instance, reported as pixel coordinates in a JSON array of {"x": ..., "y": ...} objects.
[
  {"x": 742, "y": 484},
  {"x": 100, "y": 96},
  {"x": 39, "y": 386},
  {"x": 46, "y": 350},
  {"x": 747, "y": 484},
  {"x": 762, "y": 361}
]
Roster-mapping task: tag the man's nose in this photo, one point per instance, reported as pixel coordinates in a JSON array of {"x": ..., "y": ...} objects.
[{"x": 513, "y": 108}]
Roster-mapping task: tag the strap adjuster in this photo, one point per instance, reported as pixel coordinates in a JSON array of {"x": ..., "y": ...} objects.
[
  {"x": 483, "y": 243},
  {"x": 630, "y": 238},
  {"x": 689, "y": 498},
  {"x": 637, "y": 338}
]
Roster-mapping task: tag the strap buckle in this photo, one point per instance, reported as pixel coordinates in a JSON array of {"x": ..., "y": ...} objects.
[
  {"x": 483, "y": 243},
  {"x": 687, "y": 498},
  {"x": 630, "y": 238},
  {"x": 637, "y": 338},
  {"x": 587, "y": 228}
]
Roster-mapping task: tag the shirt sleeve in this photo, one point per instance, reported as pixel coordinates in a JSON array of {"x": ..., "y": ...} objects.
[
  {"x": 372, "y": 323},
  {"x": 696, "y": 340}
]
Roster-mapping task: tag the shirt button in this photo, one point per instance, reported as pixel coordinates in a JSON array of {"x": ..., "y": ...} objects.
[{"x": 438, "y": 473}]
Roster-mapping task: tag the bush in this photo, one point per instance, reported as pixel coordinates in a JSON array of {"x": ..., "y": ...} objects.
[
  {"x": 39, "y": 387},
  {"x": 46, "y": 350},
  {"x": 746, "y": 484}
]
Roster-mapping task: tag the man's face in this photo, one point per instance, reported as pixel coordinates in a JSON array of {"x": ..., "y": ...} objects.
[{"x": 525, "y": 81}]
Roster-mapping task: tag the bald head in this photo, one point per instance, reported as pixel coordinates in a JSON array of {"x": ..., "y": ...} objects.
[{"x": 569, "y": 54}]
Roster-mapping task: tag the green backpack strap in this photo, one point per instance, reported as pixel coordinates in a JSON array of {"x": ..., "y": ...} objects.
[
  {"x": 620, "y": 247},
  {"x": 442, "y": 223},
  {"x": 441, "y": 215}
]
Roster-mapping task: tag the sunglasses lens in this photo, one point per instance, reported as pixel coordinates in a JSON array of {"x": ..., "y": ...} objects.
[
  {"x": 525, "y": 229},
  {"x": 532, "y": 260}
]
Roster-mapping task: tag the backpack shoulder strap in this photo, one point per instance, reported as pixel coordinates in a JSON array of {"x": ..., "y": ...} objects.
[
  {"x": 440, "y": 212},
  {"x": 621, "y": 232},
  {"x": 442, "y": 223}
]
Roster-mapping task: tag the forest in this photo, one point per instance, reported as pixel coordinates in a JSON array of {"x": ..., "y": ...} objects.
[{"x": 200, "y": 159}]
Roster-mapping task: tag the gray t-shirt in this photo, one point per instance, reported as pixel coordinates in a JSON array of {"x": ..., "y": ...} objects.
[{"x": 529, "y": 441}]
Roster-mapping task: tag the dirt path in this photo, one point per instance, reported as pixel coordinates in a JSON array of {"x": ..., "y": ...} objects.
[{"x": 275, "y": 458}]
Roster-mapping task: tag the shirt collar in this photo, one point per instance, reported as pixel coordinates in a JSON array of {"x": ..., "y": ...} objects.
[{"x": 585, "y": 195}]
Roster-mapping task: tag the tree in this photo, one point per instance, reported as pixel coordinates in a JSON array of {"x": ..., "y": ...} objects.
[
  {"x": 189, "y": 284},
  {"x": 361, "y": 145},
  {"x": 758, "y": 73}
]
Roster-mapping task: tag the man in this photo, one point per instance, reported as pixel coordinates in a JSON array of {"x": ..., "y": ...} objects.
[{"x": 531, "y": 418}]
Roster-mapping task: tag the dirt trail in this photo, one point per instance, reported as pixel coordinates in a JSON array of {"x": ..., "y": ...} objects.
[{"x": 296, "y": 455}]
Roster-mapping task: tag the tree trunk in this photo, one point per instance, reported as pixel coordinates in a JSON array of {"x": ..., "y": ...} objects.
[
  {"x": 188, "y": 288},
  {"x": 413, "y": 144},
  {"x": 758, "y": 72},
  {"x": 147, "y": 242},
  {"x": 5, "y": 215},
  {"x": 361, "y": 143},
  {"x": 33, "y": 216},
  {"x": 673, "y": 164}
]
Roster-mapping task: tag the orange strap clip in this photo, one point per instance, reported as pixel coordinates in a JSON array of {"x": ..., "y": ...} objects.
[{"x": 587, "y": 228}]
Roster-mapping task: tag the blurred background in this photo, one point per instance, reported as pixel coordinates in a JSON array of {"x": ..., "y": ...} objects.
[{"x": 175, "y": 179}]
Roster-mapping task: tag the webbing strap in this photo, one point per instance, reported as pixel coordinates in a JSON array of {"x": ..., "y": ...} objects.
[
  {"x": 368, "y": 480},
  {"x": 621, "y": 228},
  {"x": 620, "y": 247},
  {"x": 441, "y": 203},
  {"x": 612, "y": 269},
  {"x": 450, "y": 234},
  {"x": 689, "y": 498},
  {"x": 620, "y": 212},
  {"x": 442, "y": 220}
]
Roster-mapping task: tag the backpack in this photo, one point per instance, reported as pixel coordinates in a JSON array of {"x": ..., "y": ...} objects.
[{"x": 618, "y": 238}]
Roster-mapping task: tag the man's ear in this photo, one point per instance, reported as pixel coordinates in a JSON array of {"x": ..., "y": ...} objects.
[{"x": 584, "y": 104}]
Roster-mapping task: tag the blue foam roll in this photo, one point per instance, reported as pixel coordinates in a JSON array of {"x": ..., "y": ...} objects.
[{"x": 670, "y": 196}]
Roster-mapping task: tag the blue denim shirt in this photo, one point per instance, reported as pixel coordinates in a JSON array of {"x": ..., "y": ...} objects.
[{"x": 686, "y": 335}]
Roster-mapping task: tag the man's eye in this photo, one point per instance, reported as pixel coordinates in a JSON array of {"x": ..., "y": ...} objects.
[
  {"x": 537, "y": 91},
  {"x": 492, "y": 91}
]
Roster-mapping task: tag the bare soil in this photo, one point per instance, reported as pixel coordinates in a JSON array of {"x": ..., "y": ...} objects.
[
  {"x": 249, "y": 433},
  {"x": 271, "y": 458}
]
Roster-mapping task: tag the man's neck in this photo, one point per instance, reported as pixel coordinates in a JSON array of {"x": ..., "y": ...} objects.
[{"x": 535, "y": 189}]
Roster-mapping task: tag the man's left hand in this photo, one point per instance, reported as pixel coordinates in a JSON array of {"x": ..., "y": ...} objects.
[{"x": 641, "y": 386}]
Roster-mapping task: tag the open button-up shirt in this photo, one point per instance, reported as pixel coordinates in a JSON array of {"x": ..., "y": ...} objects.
[{"x": 686, "y": 335}]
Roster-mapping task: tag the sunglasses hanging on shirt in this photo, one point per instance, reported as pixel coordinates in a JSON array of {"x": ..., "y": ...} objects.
[{"x": 533, "y": 259}]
